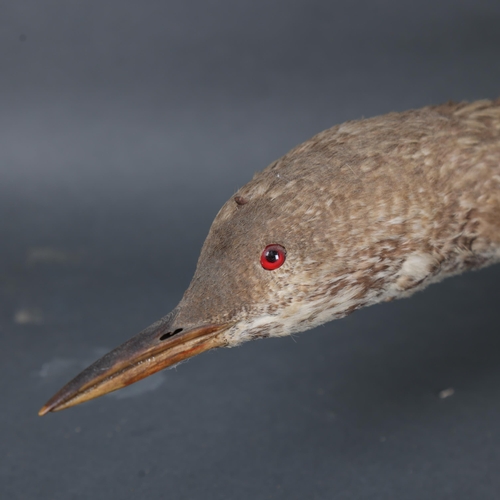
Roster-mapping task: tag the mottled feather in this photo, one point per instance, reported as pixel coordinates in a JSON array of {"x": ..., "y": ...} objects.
[{"x": 369, "y": 210}]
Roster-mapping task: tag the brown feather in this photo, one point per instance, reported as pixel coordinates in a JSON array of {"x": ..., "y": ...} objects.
[{"x": 369, "y": 210}]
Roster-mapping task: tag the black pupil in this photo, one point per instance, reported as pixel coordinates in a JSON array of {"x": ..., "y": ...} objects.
[{"x": 272, "y": 256}]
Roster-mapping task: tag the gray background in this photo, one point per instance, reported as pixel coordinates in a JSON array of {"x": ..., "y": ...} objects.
[{"x": 124, "y": 127}]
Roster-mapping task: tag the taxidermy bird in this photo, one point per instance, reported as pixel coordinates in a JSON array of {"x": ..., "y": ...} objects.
[{"x": 367, "y": 211}]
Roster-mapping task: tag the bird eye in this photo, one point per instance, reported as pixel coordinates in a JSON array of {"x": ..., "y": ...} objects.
[{"x": 273, "y": 257}]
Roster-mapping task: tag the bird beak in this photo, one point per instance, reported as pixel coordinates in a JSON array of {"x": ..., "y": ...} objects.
[{"x": 157, "y": 347}]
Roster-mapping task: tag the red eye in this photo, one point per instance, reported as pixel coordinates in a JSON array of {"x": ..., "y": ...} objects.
[{"x": 273, "y": 257}]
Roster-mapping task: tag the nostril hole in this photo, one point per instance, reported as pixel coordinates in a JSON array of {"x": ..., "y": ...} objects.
[{"x": 167, "y": 335}]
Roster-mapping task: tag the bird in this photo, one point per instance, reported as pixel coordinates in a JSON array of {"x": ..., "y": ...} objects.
[{"x": 365, "y": 212}]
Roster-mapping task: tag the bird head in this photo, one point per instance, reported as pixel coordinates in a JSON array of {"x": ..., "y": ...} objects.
[{"x": 316, "y": 235}]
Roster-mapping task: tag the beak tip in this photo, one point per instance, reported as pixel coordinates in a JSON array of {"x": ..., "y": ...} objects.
[
  {"x": 43, "y": 411},
  {"x": 48, "y": 407}
]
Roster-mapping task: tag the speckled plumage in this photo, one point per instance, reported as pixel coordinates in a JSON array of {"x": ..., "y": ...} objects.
[{"x": 369, "y": 210}]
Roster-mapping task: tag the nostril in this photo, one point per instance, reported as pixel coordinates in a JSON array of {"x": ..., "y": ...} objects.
[{"x": 167, "y": 335}]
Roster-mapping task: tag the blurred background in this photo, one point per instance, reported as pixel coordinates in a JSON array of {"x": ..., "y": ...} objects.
[{"x": 124, "y": 127}]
